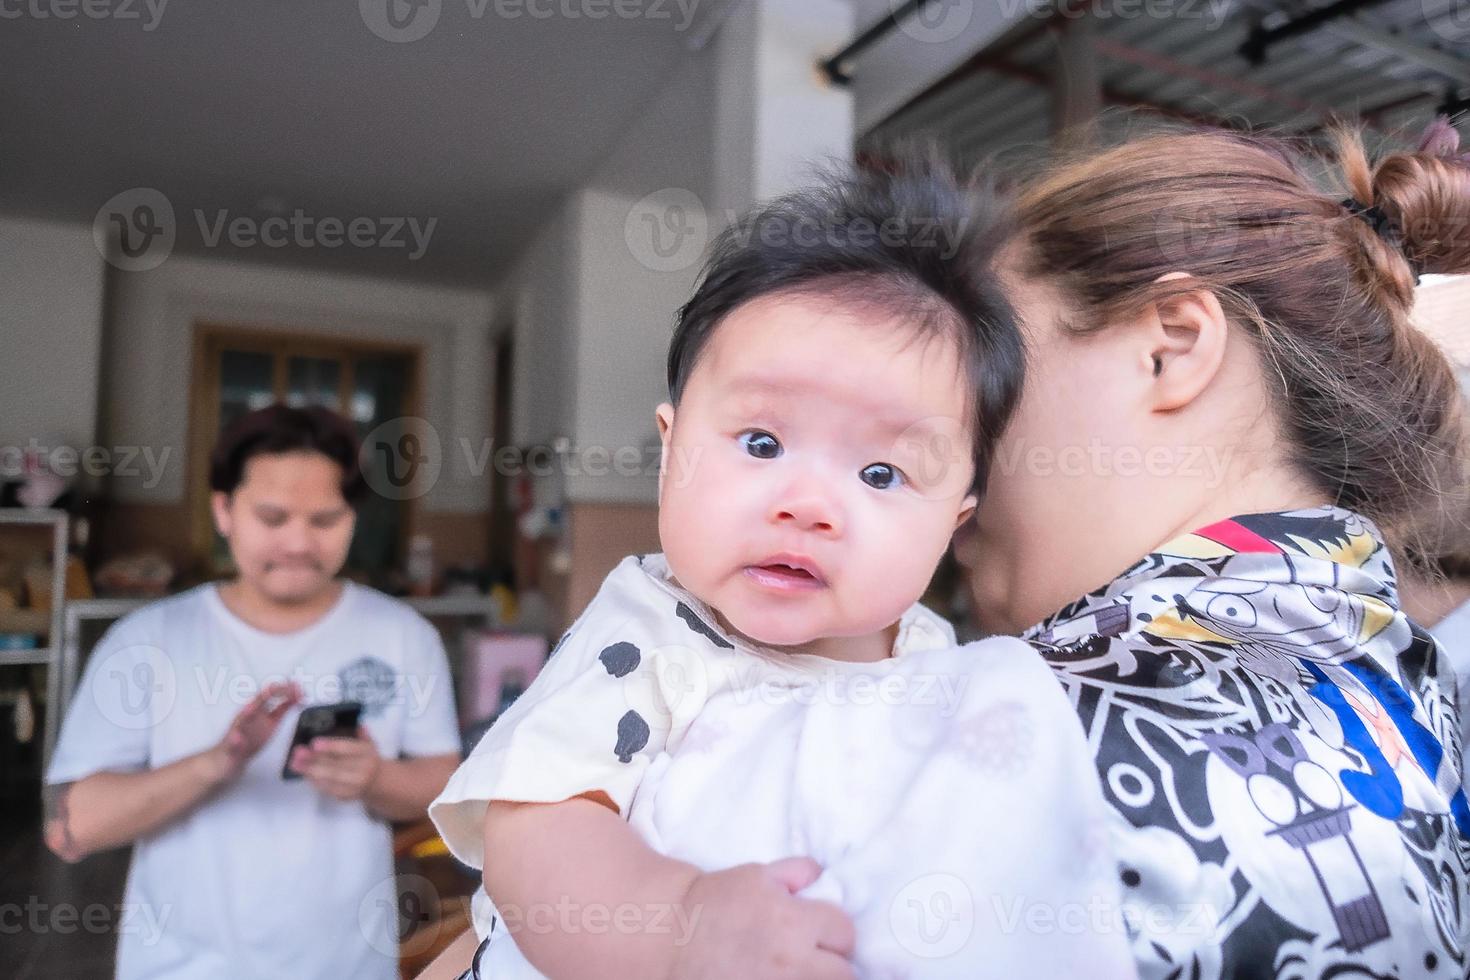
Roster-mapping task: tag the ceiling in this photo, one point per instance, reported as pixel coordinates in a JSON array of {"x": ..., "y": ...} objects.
[
  {"x": 1389, "y": 63},
  {"x": 259, "y": 108}
]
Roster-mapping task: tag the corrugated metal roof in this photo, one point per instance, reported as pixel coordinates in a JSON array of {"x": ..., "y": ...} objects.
[{"x": 1391, "y": 65}]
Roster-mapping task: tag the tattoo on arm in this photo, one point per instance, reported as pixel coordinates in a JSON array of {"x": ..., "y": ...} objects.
[{"x": 58, "y": 822}]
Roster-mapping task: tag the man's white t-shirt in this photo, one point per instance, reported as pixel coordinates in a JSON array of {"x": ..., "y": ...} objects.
[{"x": 268, "y": 878}]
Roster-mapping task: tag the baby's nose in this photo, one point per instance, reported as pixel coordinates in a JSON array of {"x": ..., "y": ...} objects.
[{"x": 810, "y": 510}]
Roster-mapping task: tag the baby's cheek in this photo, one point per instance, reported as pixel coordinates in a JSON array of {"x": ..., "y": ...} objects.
[{"x": 908, "y": 562}]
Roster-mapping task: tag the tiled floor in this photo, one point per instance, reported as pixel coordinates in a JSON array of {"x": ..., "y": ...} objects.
[{"x": 58, "y": 921}]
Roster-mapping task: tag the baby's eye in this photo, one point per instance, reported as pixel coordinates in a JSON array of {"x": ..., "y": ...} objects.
[
  {"x": 761, "y": 445},
  {"x": 882, "y": 476}
]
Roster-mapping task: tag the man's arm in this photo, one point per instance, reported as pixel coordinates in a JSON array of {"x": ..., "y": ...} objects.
[
  {"x": 404, "y": 788},
  {"x": 110, "y": 809}
]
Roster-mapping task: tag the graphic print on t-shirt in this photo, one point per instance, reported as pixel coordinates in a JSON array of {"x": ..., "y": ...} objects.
[{"x": 370, "y": 681}]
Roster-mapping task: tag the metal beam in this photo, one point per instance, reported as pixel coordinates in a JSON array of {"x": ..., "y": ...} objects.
[
  {"x": 1261, "y": 38},
  {"x": 1166, "y": 65},
  {"x": 834, "y": 67},
  {"x": 1455, "y": 105},
  {"x": 1355, "y": 30}
]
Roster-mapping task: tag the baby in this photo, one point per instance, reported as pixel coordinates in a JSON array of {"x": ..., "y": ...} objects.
[{"x": 770, "y": 686}]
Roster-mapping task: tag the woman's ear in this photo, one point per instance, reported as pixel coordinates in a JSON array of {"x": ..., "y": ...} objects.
[
  {"x": 1186, "y": 345},
  {"x": 663, "y": 416}
]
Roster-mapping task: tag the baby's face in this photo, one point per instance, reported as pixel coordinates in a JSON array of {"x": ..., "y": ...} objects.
[{"x": 815, "y": 470}]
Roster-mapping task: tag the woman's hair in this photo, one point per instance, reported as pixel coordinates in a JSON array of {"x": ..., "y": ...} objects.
[
  {"x": 280, "y": 429},
  {"x": 1316, "y": 259},
  {"x": 909, "y": 241}
]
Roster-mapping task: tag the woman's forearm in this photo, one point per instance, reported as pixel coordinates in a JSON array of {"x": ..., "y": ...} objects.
[
  {"x": 454, "y": 959},
  {"x": 110, "y": 809},
  {"x": 582, "y": 893},
  {"x": 404, "y": 788}
]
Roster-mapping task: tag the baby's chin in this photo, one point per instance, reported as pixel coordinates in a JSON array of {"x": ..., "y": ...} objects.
[
  {"x": 770, "y": 631},
  {"x": 797, "y": 635}
]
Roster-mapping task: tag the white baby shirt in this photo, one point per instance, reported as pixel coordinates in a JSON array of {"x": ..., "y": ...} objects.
[{"x": 947, "y": 791}]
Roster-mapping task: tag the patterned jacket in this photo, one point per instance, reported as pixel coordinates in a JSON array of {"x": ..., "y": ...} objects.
[{"x": 1281, "y": 753}]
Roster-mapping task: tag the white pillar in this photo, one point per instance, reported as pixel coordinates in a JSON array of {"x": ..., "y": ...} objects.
[{"x": 776, "y": 116}]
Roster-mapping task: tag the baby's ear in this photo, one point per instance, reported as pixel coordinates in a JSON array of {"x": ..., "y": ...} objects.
[
  {"x": 967, "y": 510},
  {"x": 664, "y": 417}
]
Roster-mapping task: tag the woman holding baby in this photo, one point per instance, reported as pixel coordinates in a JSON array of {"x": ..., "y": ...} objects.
[{"x": 1274, "y": 745}]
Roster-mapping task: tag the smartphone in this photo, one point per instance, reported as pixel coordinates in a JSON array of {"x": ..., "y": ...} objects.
[{"x": 322, "y": 721}]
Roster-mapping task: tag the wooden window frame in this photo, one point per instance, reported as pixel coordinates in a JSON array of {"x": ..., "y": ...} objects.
[{"x": 210, "y": 339}]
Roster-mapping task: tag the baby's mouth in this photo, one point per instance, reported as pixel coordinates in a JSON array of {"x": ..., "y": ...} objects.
[{"x": 782, "y": 575}]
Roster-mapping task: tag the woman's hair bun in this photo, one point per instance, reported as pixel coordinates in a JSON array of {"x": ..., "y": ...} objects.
[{"x": 1427, "y": 192}]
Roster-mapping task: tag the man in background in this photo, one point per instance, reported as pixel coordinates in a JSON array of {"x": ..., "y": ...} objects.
[{"x": 179, "y": 731}]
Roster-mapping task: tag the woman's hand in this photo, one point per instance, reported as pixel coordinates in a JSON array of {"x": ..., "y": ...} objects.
[
  {"x": 342, "y": 768},
  {"x": 748, "y": 924}
]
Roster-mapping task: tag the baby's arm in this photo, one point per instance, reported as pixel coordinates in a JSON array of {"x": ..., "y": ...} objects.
[{"x": 584, "y": 895}]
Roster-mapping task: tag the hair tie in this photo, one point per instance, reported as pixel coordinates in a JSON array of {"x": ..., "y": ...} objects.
[{"x": 1385, "y": 228}]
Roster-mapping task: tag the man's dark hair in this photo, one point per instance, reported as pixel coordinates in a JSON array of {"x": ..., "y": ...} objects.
[
  {"x": 282, "y": 429},
  {"x": 908, "y": 240}
]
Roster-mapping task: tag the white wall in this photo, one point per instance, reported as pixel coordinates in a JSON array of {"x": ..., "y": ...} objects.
[
  {"x": 51, "y": 283},
  {"x": 628, "y": 294},
  {"x": 597, "y": 291},
  {"x": 151, "y": 321},
  {"x": 539, "y": 300}
]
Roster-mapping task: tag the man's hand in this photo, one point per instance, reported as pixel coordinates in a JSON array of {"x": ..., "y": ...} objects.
[
  {"x": 750, "y": 925},
  {"x": 342, "y": 768},
  {"x": 252, "y": 728}
]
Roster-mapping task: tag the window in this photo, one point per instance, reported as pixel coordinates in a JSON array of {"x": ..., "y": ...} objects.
[{"x": 239, "y": 370}]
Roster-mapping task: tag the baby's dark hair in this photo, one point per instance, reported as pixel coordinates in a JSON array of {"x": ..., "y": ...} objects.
[{"x": 908, "y": 240}]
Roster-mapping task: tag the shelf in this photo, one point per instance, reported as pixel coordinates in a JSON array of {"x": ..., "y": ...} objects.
[
  {"x": 20, "y": 658},
  {"x": 22, "y": 515},
  {"x": 451, "y": 605},
  {"x": 50, "y": 623}
]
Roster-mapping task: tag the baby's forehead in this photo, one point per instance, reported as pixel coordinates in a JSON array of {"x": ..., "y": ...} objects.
[
  {"x": 853, "y": 397},
  {"x": 782, "y": 346}
]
